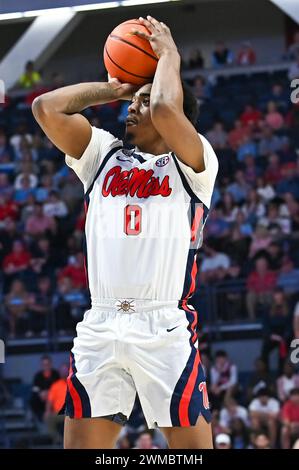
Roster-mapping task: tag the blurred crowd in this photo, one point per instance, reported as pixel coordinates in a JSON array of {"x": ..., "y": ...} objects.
[{"x": 244, "y": 55}]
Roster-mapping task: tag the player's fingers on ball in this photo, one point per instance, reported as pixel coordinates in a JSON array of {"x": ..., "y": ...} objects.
[
  {"x": 154, "y": 22},
  {"x": 135, "y": 32},
  {"x": 147, "y": 24}
]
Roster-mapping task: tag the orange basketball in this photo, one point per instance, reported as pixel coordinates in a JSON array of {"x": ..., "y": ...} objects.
[{"x": 127, "y": 57}]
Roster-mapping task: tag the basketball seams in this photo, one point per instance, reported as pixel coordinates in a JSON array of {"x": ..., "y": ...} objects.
[
  {"x": 124, "y": 70},
  {"x": 118, "y": 38}
]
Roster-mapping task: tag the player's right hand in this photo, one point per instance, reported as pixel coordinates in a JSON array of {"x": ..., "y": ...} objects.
[{"x": 124, "y": 91}]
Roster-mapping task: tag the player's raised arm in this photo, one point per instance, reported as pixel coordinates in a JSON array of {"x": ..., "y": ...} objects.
[
  {"x": 166, "y": 105},
  {"x": 58, "y": 112}
]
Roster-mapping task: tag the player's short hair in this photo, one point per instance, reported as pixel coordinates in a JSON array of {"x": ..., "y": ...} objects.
[{"x": 191, "y": 108}]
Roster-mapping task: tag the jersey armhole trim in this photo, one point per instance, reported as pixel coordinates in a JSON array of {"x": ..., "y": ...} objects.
[
  {"x": 186, "y": 185},
  {"x": 104, "y": 161}
]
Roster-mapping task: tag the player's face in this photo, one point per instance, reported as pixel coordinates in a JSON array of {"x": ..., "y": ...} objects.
[{"x": 139, "y": 127}]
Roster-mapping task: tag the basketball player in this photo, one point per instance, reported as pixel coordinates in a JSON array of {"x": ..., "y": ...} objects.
[{"x": 140, "y": 333}]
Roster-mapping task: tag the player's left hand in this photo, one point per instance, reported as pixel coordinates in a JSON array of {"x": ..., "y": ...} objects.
[{"x": 160, "y": 38}]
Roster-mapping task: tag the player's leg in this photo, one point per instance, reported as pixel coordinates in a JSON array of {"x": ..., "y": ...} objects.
[
  {"x": 90, "y": 433},
  {"x": 100, "y": 393},
  {"x": 167, "y": 370},
  {"x": 193, "y": 437}
]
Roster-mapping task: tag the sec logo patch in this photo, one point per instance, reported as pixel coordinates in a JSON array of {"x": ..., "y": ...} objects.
[{"x": 162, "y": 161}]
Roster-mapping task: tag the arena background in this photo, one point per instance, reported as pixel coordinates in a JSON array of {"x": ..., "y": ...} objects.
[{"x": 248, "y": 282}]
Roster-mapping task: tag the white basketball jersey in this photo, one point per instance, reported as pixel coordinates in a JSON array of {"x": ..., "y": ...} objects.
[{"x": 144, "y": 217}]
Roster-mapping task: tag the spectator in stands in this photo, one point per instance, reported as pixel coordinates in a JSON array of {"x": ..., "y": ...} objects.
[
  {"x": 71, "y": 191},
  {"x": 221, "y": 55},
  {"x": 239, "y": 188},
  {"x": 196, "y": 60},
  {"x": 239, "y": 434},
  {"x": 264, "y": 411},
  {"x": 253, "y": 208},
  {"x": 277, "y": 328},
  {"x": 123, "y": 442},
  {"x": 214, "y": 263},
  {"x": 237, "y": 246},
  {"x": 224, "y": 379},
  {"x": 24, "y": 191},
  {"x": 290, "y": 420},
  {"x": 55, "y": 206},
  {"x": 75, "y": 271},
  {"x": 261, "y": 239},
  {"x": 217, "y": 227},
  {"x": 18, "y": 260},
  {"x": 7, "y": 208},
  {"x": 264, "y": 189},
  {"x": 54, "y": 404},
  {"x": 43, "y": 190},
  {"x": 279, "y": 95},
  {"x": 246, "y": 147},
  {"x": 231, "y": 411},
  {"x": 201, "y": 89},
  {"x": 30, "y": 76},
  {"x": 260, "y": 379},
  {"x": 145, "y": 441},
  {"x": 39, "y": 223},
  {"x": 261, "y": 441},
  {"x": 269, "y": 142},
  {"x": 21, "y": 136},
  {"x": 288, "y": 278},
  {"x": 217, "y": 136},
  {"x": 41, "y": 306},
  {"x": 223, "y": 441},
  {"x": 273, "y": 117},
  {"x": 44, "y": 259},
  {"x": 260, "y": 286},
  {"x": 237, "y": 134},
  {"x": 33, "y": 180},
  {"x": 42, "y": 381},
  {"x": 17, "y": 304},
  {"x": 273, "y": 219},
  {"x": 250, "y": 116},
  {"x": 229, "y": 208},
  {"x": 287, "y": 381},
  {"x": 246, "y": 54}
]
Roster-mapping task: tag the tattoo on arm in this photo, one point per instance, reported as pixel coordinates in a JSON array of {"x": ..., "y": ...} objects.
[{"x": 86, "y": 98}]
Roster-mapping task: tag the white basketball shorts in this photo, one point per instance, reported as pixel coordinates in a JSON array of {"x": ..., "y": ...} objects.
[{"x": 128, "y": 346}]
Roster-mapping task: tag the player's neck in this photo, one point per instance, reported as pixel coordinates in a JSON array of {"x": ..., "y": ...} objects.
[{"x": 154, "y": 148}]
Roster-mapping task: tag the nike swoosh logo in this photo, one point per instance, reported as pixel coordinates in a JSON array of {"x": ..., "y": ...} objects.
[{"x": 170, "y": 329}]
